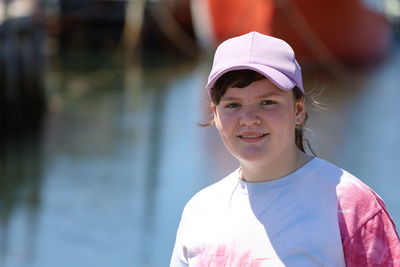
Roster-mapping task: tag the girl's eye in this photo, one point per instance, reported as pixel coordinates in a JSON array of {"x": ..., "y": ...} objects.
[
  {"x": 268, "y": 102},
  {"x": 232, "y": 105}
]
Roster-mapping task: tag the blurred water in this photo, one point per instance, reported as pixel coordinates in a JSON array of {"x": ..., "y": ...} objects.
[{"x": 120, "y": 153}]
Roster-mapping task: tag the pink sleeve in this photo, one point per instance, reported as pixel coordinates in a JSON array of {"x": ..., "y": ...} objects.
[{"x": 375, "y": 243}]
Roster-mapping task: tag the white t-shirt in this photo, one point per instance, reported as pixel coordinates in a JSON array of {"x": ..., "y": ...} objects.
[{"x": 291, "y": 221}]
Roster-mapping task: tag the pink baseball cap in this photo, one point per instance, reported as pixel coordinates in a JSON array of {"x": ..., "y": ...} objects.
[{"x": 271, "y": 57}]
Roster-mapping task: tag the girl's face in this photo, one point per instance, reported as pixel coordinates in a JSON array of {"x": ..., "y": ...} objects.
[{"x": 257, "y": 122}]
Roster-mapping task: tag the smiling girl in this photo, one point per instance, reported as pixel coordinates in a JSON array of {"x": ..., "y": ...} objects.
[{"x": 281, "y": 207}]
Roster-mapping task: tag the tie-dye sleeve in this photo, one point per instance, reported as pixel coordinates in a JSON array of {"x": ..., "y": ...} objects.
[
  {"x": 369, "y": 235},
  {"x": 375, "y": 243}
]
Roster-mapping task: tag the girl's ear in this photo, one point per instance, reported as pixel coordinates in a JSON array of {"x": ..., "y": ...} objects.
[
  {"x": 216, "y": 118},
  {"x": 300, "y": 111}
]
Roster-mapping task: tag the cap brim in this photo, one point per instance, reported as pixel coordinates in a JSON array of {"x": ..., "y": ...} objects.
[{"x": 278, "y": 78}]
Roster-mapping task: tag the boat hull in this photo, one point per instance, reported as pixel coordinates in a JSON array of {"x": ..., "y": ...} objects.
[{"x": 344, "y": 30}]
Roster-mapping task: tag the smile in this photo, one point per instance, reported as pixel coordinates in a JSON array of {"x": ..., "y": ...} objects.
[{"x": 252, "y": 136}]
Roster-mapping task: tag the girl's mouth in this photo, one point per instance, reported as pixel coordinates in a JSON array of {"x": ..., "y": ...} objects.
[{"x": 252, "y": 136}]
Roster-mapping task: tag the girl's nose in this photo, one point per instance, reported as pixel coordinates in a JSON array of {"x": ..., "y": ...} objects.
[{"x": 250, "y": 117}]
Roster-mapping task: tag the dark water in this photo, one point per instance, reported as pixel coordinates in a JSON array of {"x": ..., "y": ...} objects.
[{"x": 103, "y": 183}]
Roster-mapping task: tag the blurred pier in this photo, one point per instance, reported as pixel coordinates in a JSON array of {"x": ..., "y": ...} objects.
[
  {"x": 22, "y": 96},
  {"x": 99, "y": 144}
]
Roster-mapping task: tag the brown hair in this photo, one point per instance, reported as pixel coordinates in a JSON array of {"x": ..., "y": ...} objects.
[{"x": 243, "y": 78}]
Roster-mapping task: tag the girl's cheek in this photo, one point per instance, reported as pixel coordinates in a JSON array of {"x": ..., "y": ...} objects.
[
  {"x": 276, "y": 114},
  {"x": 227, "y": 120}
]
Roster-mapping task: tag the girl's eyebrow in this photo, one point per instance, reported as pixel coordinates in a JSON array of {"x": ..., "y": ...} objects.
[
  {"x": 229, "y": 98},
  {"x": 233, "y": 98}
]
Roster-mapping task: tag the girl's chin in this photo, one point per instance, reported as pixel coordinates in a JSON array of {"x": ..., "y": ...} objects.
[{"x": 251, "y": 158}]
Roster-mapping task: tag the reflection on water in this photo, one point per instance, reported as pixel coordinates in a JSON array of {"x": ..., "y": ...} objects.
[
  {"x": 120, "y": 152},
  {"x": 20, "y": 196}
]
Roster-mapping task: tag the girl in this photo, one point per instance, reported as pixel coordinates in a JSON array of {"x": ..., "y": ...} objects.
[{"x": 281, "y": 206}]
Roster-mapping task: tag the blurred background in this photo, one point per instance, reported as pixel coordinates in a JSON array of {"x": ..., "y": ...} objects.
[{"x": 100, "y": 101}]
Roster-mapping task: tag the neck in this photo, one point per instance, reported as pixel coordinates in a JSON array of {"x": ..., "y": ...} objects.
[{"x": 253, "y": 172}]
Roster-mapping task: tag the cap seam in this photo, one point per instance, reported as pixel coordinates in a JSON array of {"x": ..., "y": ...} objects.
[{"x": 251, "y": 48}]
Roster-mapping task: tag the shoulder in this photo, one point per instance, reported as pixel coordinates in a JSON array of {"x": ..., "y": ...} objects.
[
  {"x": 355, "y": 200},
  {"x": 353, "y": 195},
  {"x": 357, "y": 204},
  {"x": 211, "y": 195}
]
